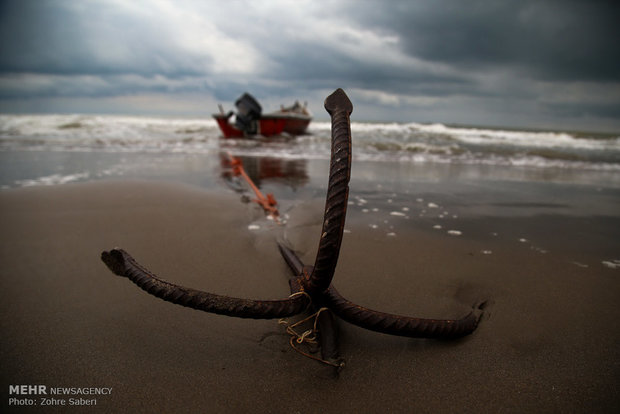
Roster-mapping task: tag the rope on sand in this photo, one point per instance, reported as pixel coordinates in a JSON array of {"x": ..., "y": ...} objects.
[{"x": 308, "y": 337}]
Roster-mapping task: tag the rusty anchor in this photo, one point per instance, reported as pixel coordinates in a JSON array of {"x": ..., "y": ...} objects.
[{"x": 310, "y": 286}]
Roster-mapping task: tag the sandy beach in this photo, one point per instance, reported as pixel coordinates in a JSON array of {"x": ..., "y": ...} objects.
[
  {"x": 476, "y": 151},
  {"x": 548, "y": 342}
]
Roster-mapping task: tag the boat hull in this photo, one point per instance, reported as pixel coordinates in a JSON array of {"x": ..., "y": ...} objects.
[
  {"x": 268, "y": 125},
  {"x": 296, "y": 125}
]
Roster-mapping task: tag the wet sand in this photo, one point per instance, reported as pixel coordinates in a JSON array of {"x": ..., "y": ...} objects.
[{"x": 549, "y": 340}]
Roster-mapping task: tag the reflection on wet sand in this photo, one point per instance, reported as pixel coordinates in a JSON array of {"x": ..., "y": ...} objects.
[{"x": 263, "y": 170}]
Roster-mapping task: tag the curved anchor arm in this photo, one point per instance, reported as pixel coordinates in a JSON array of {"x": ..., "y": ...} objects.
[
  {"x": 122, "y": 264},
  {"x": 386, "y": 322},
  {"x": 340, "y": 108},
  {"x": 401, "y": 325}
]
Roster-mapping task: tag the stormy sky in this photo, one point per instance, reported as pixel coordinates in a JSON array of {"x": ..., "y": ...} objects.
[{"x": 522, "y": 63}]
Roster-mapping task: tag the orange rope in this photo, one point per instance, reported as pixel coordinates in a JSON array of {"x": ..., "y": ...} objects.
[{"x": 268, "y": 203}]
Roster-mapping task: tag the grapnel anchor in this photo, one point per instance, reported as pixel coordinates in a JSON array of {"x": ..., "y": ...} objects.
[{"x": 311, "y": 286}]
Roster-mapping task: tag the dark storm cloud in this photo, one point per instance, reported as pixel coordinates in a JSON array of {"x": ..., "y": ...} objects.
[
  {"x": 322, "y": 66},
  {"x": 576, "y": 110},
  {"x": 398, "y": 58},
  {"x": 87, "y": 38},
  {"x": 560, "y": 40}
]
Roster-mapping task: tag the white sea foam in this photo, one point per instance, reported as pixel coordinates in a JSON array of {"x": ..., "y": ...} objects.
[
  {"x": 520, "y": 138},
  {"x": 612, "y": 264},
  {"x": 404, "y": 143},
  {"x": 104, "y": 133},
  {"x": 411, "y": 142},
  {"x": 487, "y": 136},
  {"x": 54, "y": 179}
]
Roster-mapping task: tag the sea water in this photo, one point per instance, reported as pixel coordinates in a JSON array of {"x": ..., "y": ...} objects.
[
  {"x": 461, "y": 182},
  {"x": 58, "y": 149}
]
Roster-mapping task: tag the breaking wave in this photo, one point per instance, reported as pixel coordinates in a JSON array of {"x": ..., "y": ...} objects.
[{"x": 394, "y": 142}]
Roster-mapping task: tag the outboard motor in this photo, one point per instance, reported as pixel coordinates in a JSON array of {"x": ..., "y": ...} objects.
[{"x": 248, "y": 114}]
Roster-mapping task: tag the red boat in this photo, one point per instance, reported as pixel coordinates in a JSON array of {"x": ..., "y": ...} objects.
[{"x": 250, "y": 121}]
